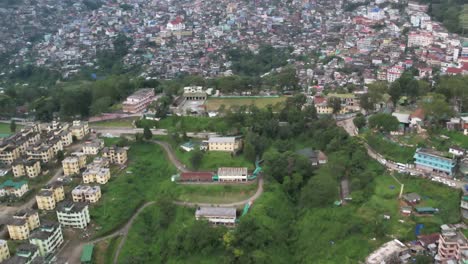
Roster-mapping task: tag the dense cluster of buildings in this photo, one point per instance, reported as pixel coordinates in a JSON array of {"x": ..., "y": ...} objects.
[
  {"x": 191, "y": 37},
  {"x": 42, "y": 239},
  {"x": 28, "y": 151},
  {"x": 448, "y": 246}
]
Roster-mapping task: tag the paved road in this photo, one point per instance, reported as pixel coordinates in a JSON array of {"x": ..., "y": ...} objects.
[
  {"x": 235, "y": 204},
  {"x": 117, "y": 131},
  {"x": 72, "y": 251},
  {"x": 351, "y": 129}
]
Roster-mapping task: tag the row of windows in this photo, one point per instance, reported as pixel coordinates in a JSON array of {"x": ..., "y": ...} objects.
[
  {"x": 433, "y": 158},
  {"x": 435, "y": 165}
]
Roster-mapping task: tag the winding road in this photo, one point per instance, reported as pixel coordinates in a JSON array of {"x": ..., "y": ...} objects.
[
  {"x": 72, "y": 254},
  {"x": 350, "y": 128}
]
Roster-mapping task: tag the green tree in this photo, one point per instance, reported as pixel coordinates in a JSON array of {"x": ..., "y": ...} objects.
[
  {"x": 335, "y": 104},
  {"x": 147, "y": 134},
  {"x": 376, "y": 91},
  {"x": 359, "y": 121},
  {"x": 436, "y": 108},
  {"x": 395, "y": 92},
  {"x": 366, "y": 103},
  {"x": 12, "y": 126},
  {"x": 100, "y": 105},
  {"x": 249, "y": 152},
  {"x": 139, "y": 137},
  {"x": 320, "y": 191},
  {"x": 384, "y": 122},
  {"x": 196, "y": 158},
  {"x": 60, "y": 156}
]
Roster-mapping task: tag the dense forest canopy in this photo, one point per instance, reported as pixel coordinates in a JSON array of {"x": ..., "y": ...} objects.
[{"x": 450, "y": 13}]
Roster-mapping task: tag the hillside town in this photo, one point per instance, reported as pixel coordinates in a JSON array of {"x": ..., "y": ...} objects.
[
  {"x": 175, "y": 131},
  {"x": 28, "y": 154},
  {"x": 176, "y": 37}
]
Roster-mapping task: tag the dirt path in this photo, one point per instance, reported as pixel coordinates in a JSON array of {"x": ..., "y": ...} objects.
[
  {"x": 171, "y": 155},
  {"x": 126, "y": 228},
  {"x": 235, "y": 204},
  {"x": 72, "y": 251}
]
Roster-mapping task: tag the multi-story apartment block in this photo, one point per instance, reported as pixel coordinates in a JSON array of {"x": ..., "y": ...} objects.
[
  {"x": 49, "y": 196},
  {"x": 453, "y": 246},
  {"x": 138, "y": 101},
  {"x": 22, "y": 224},
  {"x": 420, "y": 39},
  {"x": 96, "y": 174},
  {"x": 45, "y": 200},
  {"x": 25, "y": 254},
  {"x": 217, "y": 215},
  {"x": 31, "y": 216},
  {"x": 42, "y": 152},
  {"x": 225, "y": 144},
  {"x": 9, "y": 153},
  {"x": 31, "y": 168},
  {"x": 429, "y": 160},
  {"x": 115, "y": 154},
  {"x": 99, "y": 162},
  {"x": 232, "y": 174},
  {"x": 93, "y": 147},
  {"x": 71, "y": 165},
  {"x": 18, "y": 229},
  {"x": 56, "y": 144},
  {"x": 11, "y": 188},
  {"x": 48, "y": 237},
  {"x": 66, "y": 138},
  {"x": 74, "y": 215},
  {"x": 4, "y": 251},
  {"x": 79, "y": 129},
  {"x": 394, "y": 73},
  {"x": 81, "y": 158},
  {"x": 57, "y": 189},
  {"x": 86, "y": 193}
]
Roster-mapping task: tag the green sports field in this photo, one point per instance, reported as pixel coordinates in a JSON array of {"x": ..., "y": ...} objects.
[{"x": 214, "y": 104}]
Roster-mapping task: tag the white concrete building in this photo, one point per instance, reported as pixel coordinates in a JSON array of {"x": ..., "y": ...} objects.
[
  {"x": 74, "y": 215},
  {"x": 232, "y": 174},
  {"x": 48, "y": 237},
  {"x": 217, "y": 215}
]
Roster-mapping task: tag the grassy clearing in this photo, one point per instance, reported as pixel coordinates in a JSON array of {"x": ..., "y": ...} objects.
[
  {"x": 5, "y": 129},
  {"x": 457, "y": 138},
  {"x": 149, "y": 175},
  {"x": 139, "y": 245},
  {"x": 213, "y": 104},
  {"x": 215, "y": 193},
  {"x": 126, "y": 122},
  {"x": 212, "y": 160},
  {"x": 346, "y": 234},
  {"x": 384, "y": 201},
  {"x": 192, "y": 124},
  {"x": 147, "y": 178},
  {"x": 104, "y": 251},
  {"x": 389, "y": 149}
]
